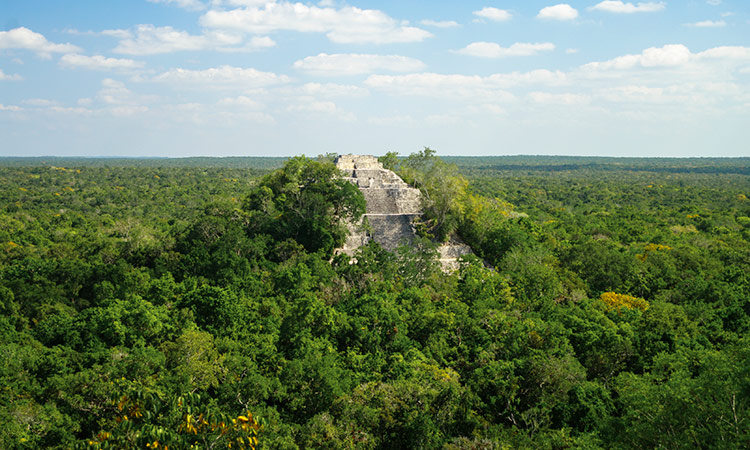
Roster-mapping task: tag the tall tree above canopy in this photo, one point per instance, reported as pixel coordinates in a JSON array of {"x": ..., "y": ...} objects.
[
  {"x": 306, "y": 201},
  {"x": 443, "y": 190}
]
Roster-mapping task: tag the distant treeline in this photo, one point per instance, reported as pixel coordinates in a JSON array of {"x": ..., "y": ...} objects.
[
  {"x": 538, "y": 163},
  {"x": 230, "y": 162},
  {"x": 574, "y": 163}
]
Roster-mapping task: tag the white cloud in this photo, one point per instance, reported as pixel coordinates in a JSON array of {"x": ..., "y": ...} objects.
[
  {"x": 617, "y": 6},
  {"x": 633, "y": 93},
  {"x": 315, "y": 106},
  {"x": 666, "y": 56},
  {"x": 114, "y": 98},
  {"x": 463, "y": 87},
  {"x": 191, "y": 5},
  {"x": 347, "y": 25},
  {"x": 8, "y": 77},
  {"x": 707, "y": 24},
  {"x": 669, "y": 75},
  {"x": 493, "y": 50},
  {"x": 714, "y": 2},
  {"x": 571, "y": 51},
  {"x": 332, "y": 90},
  {"x": 25, "y": 39},
  {"x": 440, "y": 23},
  {"x": 11, "y": 108},
  {"x": 726, "y": 53},
  {"x": 558, "y": 99},
  {"x": 309, "y": 105},
  {"x": 151, "y": 40},
  {"x": 563, "y": 11},
  {"x": 114, "y": 92},
  {"x": 99, "y": 62},
  {"x": 119, "y": 34},
  {"x": 76, "y": 32},
  {"x": 116, "y": 33},
  {"x": 494, "y": 14},
  {"x": 356, "y": 64},
  {"x": 222, "y": 76},
  {"x": 241, "y": 101}
]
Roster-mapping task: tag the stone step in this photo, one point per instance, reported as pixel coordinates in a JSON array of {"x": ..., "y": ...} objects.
[
  {"x": 392, "y": 201},
  {"x": 392, "y": 230}
]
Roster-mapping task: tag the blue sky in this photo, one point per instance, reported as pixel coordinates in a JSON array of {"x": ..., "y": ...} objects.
[{"x": 276, "y": 78}]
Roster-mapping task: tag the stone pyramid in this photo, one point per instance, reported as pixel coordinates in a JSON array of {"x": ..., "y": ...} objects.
[{"x": 392, "y": 207}]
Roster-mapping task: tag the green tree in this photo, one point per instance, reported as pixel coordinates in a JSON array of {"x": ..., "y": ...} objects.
[{"x": 306, "y": 201}]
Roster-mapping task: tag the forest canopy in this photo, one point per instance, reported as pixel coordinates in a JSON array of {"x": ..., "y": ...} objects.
[{"x": 164, "y": 305}]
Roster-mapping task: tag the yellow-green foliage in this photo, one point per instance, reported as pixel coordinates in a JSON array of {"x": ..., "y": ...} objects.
[
  {"x": 613, "y": 300},
  {"x": 652, "y": 248}
]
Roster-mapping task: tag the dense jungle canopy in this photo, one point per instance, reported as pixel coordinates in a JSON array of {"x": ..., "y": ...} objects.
[{"x": 152, "y": 303}]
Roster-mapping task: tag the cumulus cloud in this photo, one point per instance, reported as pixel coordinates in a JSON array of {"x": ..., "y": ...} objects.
[
  {"x": 707, "y": 24},
  {"x": 728, "y": 52},
  {"x": 99, "y": 62},
  {"x": 666, "y": 56},
  {"x": 617, "y": 6},
  {"x": 493, "y": 50},
  {"x": 24, "y": 39},
  {"x": 356, "y": 64},
  {"x": 152, "y": 40},
  {"x": 470, "y": 88},
  {"x": 347, "y": 25},
  {"x": 494, "y": 14},
  {"x": 191, "y": 5},
  {"x": 563, "y": 11},
  {"x": 222, "y": 76},
  {"x": 440, "y": 23},
  {"x": 9, "y": 77}
]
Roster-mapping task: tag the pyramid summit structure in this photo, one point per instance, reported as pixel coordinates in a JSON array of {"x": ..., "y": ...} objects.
[{"x": 392, "y": 206}]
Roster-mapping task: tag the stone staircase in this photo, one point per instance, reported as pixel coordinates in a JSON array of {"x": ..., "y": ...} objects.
[{"x": 392, "y": 207}]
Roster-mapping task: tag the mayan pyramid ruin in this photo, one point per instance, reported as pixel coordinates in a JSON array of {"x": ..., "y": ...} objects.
[{"x": 392, "y": 207}]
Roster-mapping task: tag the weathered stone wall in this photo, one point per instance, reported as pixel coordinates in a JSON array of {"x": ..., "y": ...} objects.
[{"x": 392, "y": 207}]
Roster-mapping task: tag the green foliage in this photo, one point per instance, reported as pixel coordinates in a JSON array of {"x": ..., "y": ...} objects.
[
  {"x": 606, "y": 306},
  {"x": 305, "y": 201},
  {"x": 443, "y": 190}
]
